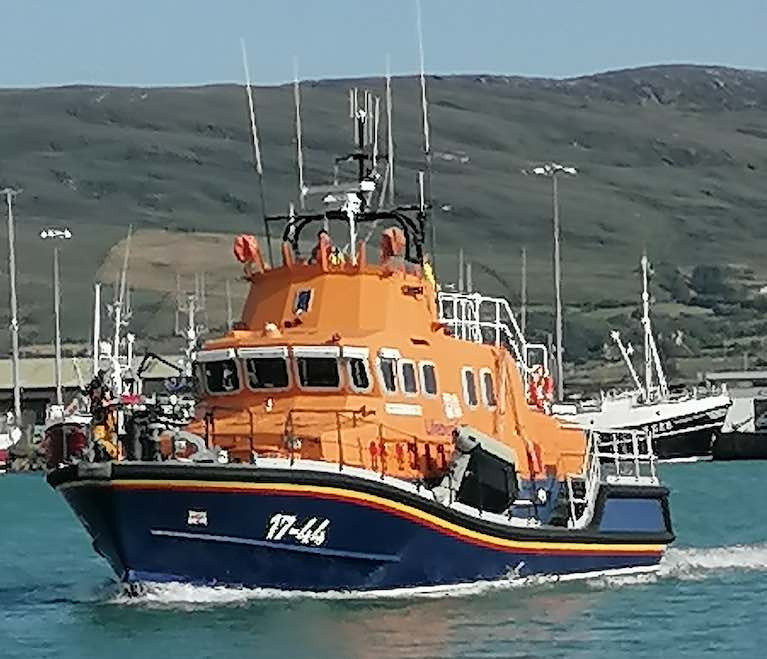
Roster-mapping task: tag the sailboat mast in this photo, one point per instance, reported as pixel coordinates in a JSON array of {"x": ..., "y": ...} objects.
[
  {"x": 9, "y": 195},
  {"x": 57, "y": 322}
]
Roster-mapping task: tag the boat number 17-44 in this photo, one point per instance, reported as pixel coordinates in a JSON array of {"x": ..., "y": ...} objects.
[{"x": 310, "y": 531}]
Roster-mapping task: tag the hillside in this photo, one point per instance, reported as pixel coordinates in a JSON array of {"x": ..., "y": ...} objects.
[{"x": 671, "y": 159}]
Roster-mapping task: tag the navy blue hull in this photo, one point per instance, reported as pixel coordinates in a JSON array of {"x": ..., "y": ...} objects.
[{"x": 208, "y": 533}]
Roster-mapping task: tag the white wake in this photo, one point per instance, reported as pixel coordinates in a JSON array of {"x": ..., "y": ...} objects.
[{"x": 678, "y": 563}]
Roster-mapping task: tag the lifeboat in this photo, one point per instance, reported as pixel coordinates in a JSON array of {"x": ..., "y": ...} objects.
[{"x": 360, "y": 429}]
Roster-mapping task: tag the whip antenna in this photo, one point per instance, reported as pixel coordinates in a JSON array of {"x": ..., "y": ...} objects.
[
  {"x": 257, "y": 164},
  {"x": 390, "y": 136},
  {"x": 299, "y": 145},
  {"x": 426, "y": 190}
]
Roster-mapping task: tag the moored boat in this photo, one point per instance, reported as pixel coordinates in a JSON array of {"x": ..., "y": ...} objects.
[
  {"x": 358, "y": 429},
  {"x": 683, "y": 423}
]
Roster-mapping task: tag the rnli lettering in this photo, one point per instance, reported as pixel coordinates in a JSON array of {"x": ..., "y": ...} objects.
[{"x": 312, "y": 531}]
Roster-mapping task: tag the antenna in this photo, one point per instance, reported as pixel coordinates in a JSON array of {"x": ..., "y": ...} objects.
[
  {"x": 118, "y": 315},
  {"x": 188, "y": 305},
  {"x": 523, "y": 293},
  {"x": 390, "y": 136},
  {"x": 228, "y": 305},
  {"x": 426, "y": 137},
  {"x": 257, "y": 164},
  {"x": 299, "y": 144},
  {"x": 376, "y": 116}
]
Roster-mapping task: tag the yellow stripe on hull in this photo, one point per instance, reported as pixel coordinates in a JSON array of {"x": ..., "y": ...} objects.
[{"x": 380, "y": 502}]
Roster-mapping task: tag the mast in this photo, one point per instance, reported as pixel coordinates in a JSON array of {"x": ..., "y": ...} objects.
[
  {"x": 57, "y": 321},
  {"x": 257, "y": 164},
  {"x": 14, "y": 326},
  {"x": 469, "y": 281},
  {"x": 96, "y": 326},
  {"x": 647, "y": 327},
  {"x": 461, "y": 270},
  {"x": 558, "y": 291},
  {"x": 118, "y": 317}
]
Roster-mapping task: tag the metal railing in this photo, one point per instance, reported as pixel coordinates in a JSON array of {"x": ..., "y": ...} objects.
[
  {"x": 624, "y": 457},
  {"x": 481, "y": 319}
]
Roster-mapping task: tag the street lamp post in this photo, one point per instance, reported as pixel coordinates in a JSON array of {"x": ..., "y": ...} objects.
[
  {"x": 553, "y": 171},
  {"x": 10, "y": 193},
  {"x": 59, "y": 234}
]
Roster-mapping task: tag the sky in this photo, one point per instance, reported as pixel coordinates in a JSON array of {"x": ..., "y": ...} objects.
[{"x": 173, "y": 42}]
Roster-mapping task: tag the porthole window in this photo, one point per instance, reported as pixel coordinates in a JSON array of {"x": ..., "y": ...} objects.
[
  {"x": 488, "y": 388},
  {"x": 469, "y": 387},
  {"x": 428, "y": 379},
  {"x": 408, "y": 377},
  {"x": 359, "y": 377},
  {"x": 387, "y": 368}
]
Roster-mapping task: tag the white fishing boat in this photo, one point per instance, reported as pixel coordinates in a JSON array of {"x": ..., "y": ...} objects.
[{"x": 683, "y": 424}]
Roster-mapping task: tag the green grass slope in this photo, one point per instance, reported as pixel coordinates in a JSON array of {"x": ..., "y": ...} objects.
[{"x": 671, "y": 159}]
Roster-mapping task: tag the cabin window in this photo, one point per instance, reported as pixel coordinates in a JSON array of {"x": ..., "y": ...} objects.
[
  {"x": 408, "y": 377},
  {"x": 428, "y": 379},
  {"x": 387, "y": 367},
  {"x": 267, "y": 373},
  {"x": 359, "y": 377},
  {"x": 303, "y": 301},
  {"x": 318, "y": 372},
  {"x": 488, "y": 388},
  {"x": 221, "y": 377},
  {"x": 469, "y": 387}
]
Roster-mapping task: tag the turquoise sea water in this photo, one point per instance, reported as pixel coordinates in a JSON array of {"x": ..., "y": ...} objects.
[{"x": 58, "y": 599}]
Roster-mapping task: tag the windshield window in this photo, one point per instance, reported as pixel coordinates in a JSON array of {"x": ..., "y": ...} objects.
[
  {"x": 267, "y": 373},
  {"x": 320, "y": 372},
  {"x": 221, "y": 377}
]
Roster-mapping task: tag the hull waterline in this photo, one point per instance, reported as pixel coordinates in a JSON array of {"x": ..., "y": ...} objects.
[{"x": 321, "y": 532}]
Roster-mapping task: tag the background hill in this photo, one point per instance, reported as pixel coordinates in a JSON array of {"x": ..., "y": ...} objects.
[{"x": 671, "y": 159}]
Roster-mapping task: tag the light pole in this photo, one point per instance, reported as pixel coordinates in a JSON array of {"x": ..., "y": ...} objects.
[
  {"x": 553, "y": 170},
  {"x": 10, "y": 193},
  {"x": 57, "y": 234}
]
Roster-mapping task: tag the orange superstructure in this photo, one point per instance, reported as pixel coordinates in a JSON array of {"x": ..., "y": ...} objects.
[{"x": 348, "y": 362}]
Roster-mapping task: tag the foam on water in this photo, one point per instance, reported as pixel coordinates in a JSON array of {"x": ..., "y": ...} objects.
[{"x": 678, "y": 563}]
